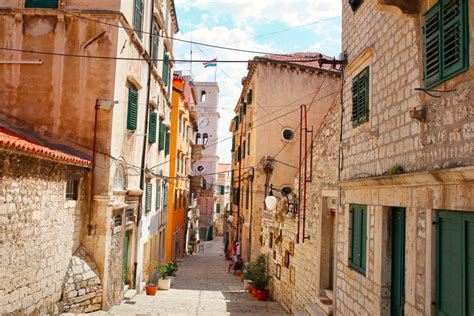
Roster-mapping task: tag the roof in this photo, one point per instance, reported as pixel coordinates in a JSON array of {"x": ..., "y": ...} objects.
[
  {"x": 13, "y": 141},
  {"x": 308, "y": 60}
]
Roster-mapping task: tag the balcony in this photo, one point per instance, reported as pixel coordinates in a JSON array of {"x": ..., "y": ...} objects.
[
  {"x": 196, "y": 152},
  {"x": 406, "y": 6},
  {"x": 197, "y": 183}
]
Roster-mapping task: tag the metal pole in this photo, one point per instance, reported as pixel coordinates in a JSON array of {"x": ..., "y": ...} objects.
[
  {"x": 299, "y": 173},
  {"x": 91, "y": 193},
  {"x": 305, "y": 170}
]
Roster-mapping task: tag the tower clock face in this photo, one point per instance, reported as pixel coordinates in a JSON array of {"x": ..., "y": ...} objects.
[{"x": 204, "y": 123}]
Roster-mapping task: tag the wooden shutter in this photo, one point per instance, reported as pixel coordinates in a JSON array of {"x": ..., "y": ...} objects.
[
  {"x": 248, "y": 144},
  {"x": 152, "y": 127},
  {"x": 454, "y": 36},
  {"x": 221, "y": 189},
  {"x": 218, "y": 208},
  {"x": 158, "y": 194},
  {"x": 53, "y": 4},
  {"x": 358, "y": 237},
  {"x": 233, "y": 143},
  {"x": 431, "y": 31},
  {"x": 161, "y": 136},
  {"x": 249, "y": 96},
  {"x": 148, "y": 197},
  {"x": 167, "y": 143},
  {"x": 138, "y": 17},
  {"x": 360, "y": 98},
  {"x": 132, "y": 109},
  {"x": 166, "y": 68}
]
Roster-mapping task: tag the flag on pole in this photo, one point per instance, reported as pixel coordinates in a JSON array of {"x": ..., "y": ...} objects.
[{"x": 210, "y": 63}]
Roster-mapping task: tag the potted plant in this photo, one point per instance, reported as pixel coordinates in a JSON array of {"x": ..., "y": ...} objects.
[
  {"x": 150, "y": 287},
  {"x": 166, "y": 271},
  {"x": 248, "y": 277},
  {"x": 260, "y": 278}
]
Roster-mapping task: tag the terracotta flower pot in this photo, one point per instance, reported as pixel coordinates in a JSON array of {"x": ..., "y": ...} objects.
[
  {"x": 151, "y": 290},
  {"x": 164, "y": 284},
  {"x": 261, "y": 295}
]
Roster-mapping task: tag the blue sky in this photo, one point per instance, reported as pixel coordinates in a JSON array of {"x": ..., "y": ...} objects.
[{"x": 247, "y": 24}]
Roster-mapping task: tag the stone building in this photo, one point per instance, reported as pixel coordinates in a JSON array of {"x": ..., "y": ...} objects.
[
  {"x": 222, "y": 197},
  {"x": 405, "y": 233},
  {"x": 208, "y": 125},
  {"x": 266, "y": 137},
  {"x": 302, "y": 270},
  {"x": 43, "y": 201},
  {"x": 105, "y": 108}
]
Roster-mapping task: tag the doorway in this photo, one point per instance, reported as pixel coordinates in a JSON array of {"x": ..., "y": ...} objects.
[
  {"x": 398, "y": 261},
  {"x": 328, "y": 226},
  {"x": 125, "y": 255}
]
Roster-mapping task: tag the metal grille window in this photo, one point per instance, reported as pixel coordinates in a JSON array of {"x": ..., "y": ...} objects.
[
  {"x": 118, "y": 220},
  {"x": 148, "y": 193},
  {"x": 72, "y": 187},
  {"x": 129, "y": 213},
  {"x": 53, "y": 4},
  {"x": 446, "y": 38},
  {"x": 360, "y": 98},
  {"x": 358, "y": 237},
  {"x": 138, "y": 17},
  {"x": 132, "y": 109}
]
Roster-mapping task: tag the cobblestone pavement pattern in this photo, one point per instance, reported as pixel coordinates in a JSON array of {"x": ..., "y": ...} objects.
[{"x": 202, "y": 287}]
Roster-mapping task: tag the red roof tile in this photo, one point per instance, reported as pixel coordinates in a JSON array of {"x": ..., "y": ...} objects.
[
  {"x": 11, "y": 140},
  {"x": 299, "y": 59}
]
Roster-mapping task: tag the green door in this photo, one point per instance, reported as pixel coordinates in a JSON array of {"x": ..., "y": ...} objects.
[
  {"x": 398, "y": 261},
  {"x": 125, "y": 257},
  {"x": 455, "y": 263}
]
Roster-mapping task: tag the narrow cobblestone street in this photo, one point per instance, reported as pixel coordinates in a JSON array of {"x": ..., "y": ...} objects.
[{"x": 202, "y": 287}]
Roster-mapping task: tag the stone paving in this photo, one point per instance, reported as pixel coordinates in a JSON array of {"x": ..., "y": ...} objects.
[{"x": 202, "y": 287}]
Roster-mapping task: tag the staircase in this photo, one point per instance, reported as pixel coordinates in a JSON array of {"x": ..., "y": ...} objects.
[{"x": 323, "y": 306}]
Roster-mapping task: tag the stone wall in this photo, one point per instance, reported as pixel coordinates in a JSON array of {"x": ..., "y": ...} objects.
[
  {"x": 82, "y": 290},
  {"x": 391, "y": 45},
  {"x": 40, "y": 230},
  {"x": 305, "y": 264}
]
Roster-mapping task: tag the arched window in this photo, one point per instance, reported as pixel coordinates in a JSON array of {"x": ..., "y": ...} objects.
[
  {"x": 203, "y": 96},
  {"x": 198, "y": 138},
  {"x": 119, "y": 182},
  {"x": 205, "y": 138}
]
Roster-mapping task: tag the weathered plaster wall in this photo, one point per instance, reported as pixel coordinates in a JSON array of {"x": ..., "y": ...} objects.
[{"x": 39, "y": 232}]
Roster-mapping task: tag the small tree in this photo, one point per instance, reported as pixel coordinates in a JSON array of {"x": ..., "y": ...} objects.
[{"x": 258, "y": 273}]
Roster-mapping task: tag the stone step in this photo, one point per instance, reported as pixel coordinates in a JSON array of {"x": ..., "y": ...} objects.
[
  {"x": 315, "y": 310},
  {"x": 326, "y": 304},
  {"x": 130, "y": 294},
  {"x": 300, "y": 312},
  {"x": 329, "y": 294}
]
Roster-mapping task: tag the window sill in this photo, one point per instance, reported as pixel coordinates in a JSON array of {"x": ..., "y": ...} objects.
[
  {"x": 357, "y": 269},
  {"x": 116, "y": 230},
  {"x": 446, "y": 79}
]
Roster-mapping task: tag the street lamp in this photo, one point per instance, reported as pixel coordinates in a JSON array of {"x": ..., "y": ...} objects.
[{"x": 270, "y": 200}]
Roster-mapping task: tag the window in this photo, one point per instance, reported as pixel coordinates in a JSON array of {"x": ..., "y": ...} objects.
[
  {"x": 198, "y": 138},
  {"x": 132, "y": 109},
  {"x": 358, "y": 237},
  {"x": 154, "y": 52},
  {"x": 286, "y": 190},
  {"x": 221, "y": 190},
  {"x": 118, "y": 220},
  {"x": 158, "y": 194},
  {"x": 53, "y": 4},
  {"x": 130, "y": 216},
  {"x": 180, "y": 124},
  {"x": 355, "y": 4},
  {"x": 148, "y": 192},
  {"x": 233, "y": 144},
  {"x": 247, "y": 196},
  {"x": 288, "y": 134},
  {"x": 218, "y": 208},
  {"x": 200, "y": 168},
  {"x": 446, "y": 37},
  {"x": 360, "y": 98},
  {"x": 203, "y": 96},
  {"x": 249, "y": 96},
  {"x": 243, "y": 150},
  {"x": 152, "y": 127},
  {"x": 161, "y": 136},
  {"x": 119, "y": 178},
  {"x": 138, "y": 17},
  {"x": 72, "y": 187},
  {"x": 248, "y": 144},
  {"x": 166, "y": 68}
]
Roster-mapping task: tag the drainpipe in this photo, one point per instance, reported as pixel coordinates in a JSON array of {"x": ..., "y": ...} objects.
[
  {"x": 240, "y": 181},
  {"x": 145, "y": 137}
]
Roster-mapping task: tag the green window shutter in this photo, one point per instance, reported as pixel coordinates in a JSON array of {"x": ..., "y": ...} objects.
[
  {"x": 358, "y": 237},
  {"x": 221, "y": 189},
  {"x": 158, "y": 195},
  {"x": 132, "y": 109},
  {"x": 167, "y": 143},
  {"x": 148, "y": 197},
  {"x": 156, "y": 39},
  {"x": 236, "y": 122},
  {"x": 53, "y": 4},
  {"x": 152, "y": 127},
  {"x": 138, "y": 17},
  {"x": 360, "y": 98},
  {"x": 469, "y": 255},
  {"x": 432, "y": 47},
  {"x": 218, "y": 208},
  {"x": 446, "y": 41},
  {"x": 233, "y": 143},
  {"x": 241, "y": 113},
  {"x": 161, "y": 136},
  {"x": 166, "y": 68}
]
